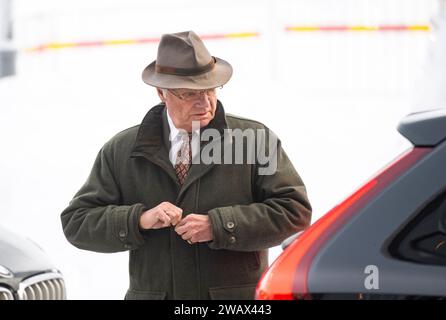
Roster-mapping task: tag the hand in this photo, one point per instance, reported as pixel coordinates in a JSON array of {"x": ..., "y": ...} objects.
[
  {"x": 163, "y": 215},
  {"x": 195, "y": 228}
]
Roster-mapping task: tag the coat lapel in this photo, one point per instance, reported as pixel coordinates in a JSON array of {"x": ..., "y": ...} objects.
[{"x": 152, "y": 141}]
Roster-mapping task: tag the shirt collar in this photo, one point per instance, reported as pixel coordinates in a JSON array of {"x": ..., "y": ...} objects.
[{"x": 175, "y": 133}]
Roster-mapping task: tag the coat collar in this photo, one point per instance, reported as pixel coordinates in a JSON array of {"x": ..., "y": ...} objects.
[
  {"x": 152, "y": 141},
  {"x": 154, "y": 130}
]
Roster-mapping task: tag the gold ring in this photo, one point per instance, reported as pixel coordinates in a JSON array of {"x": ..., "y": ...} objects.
[{"x": 190, "y": 242}]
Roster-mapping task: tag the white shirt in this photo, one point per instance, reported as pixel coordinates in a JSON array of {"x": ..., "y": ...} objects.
[{"x": 175, "y": 140}]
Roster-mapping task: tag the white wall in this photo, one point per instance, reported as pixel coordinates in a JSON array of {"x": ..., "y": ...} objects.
[{"x": 334, "y": 100}]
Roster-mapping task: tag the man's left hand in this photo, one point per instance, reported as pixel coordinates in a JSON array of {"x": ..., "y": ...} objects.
[{"x": 195, "y": 228}]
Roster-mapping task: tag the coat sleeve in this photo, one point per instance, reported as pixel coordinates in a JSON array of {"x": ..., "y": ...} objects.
[
  {"x": 281, "y": 209},
  {"x": 95, "y": 218}
]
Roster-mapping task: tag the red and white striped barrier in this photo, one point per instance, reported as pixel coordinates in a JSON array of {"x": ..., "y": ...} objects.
[
  {"x": 220, "y": 36},
  {"x": 89, "y": 44},
  {"x": 359, "y": 28}
]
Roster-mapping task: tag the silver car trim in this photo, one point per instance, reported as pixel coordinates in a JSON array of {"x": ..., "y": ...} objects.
[
  {"x": 6, "y": 294},
  {"x": 46, "y": 286}
]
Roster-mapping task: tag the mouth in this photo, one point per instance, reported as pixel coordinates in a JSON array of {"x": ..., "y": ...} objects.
[{"x": 200, "y": 114}]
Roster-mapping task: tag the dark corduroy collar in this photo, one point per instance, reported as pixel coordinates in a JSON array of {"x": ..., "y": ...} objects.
[{"x": 154, "y": 130}]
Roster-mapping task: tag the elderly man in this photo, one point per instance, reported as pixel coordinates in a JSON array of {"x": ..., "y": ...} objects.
[{"x": 194, "y": 229}]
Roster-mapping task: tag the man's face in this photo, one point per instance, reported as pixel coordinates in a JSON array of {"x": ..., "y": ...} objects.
[{"x": 186, "y": 105}]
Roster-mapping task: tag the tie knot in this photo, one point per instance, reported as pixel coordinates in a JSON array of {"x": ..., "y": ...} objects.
[{"x": 186, "y": 136}]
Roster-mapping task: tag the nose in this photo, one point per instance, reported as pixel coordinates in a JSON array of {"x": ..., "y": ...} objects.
[{"x": 203, "y": 101}]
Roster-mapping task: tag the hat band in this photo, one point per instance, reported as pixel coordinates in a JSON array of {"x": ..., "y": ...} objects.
[{"x": 186, "y": 71}]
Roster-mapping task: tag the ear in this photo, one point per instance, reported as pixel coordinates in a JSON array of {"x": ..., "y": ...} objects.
[{"x": 160, "y": 94}]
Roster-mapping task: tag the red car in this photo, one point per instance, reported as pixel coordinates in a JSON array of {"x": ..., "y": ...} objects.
[{"x": 385, "y": 241}]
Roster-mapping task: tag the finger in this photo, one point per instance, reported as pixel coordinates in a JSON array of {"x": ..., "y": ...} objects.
[
  {"x": 183, "y": 221},
  {"x": 164, "y": 218},
  {"x": 188, "y": 235},
  {"x": 178, "y": 216},
  {"x": 174, "y": 217},
  {"x": 181, "y": 229},
  {"x": 174, "y": 208},
  {"x": 174, "y": 212}
]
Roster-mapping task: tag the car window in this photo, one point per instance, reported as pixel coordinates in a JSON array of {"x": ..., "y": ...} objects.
[{"x": 423, "y": 239}]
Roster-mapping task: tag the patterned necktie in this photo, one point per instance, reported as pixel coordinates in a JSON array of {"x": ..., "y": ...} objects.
[{"x": 184, "y": 158}]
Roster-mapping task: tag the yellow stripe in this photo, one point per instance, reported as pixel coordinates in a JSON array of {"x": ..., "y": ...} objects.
[
  {"x": 241, "y": 35},
  {"x": 118, "y": 42},
  {"x": 57, "y": 45},
  {"x": 363, "y": 28},
  {"x": 52, "y": 46},
  {"x": 303, "y": 29},
  {"x": 419, "y": 28}
]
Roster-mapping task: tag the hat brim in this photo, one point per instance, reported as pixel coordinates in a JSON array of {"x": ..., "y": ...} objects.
[{"x": 218, "y": 76}]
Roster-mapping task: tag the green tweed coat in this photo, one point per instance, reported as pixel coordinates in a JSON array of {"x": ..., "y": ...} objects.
[{"x": 249, "y": 212}]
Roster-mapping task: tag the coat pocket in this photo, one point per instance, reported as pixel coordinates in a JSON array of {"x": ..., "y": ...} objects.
[
  {"x": 254, "y": 262},
  {"x": 145, "y": 295},
  {"x": 243, "y": 292}
]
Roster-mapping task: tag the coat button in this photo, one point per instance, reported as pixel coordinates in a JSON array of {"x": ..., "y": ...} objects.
[
  {"x": 127, "y": 246},
  {"x": 232, "y": 239},
  {"x": 230, "y": 224},
  {"x": 122, "y": 233}
]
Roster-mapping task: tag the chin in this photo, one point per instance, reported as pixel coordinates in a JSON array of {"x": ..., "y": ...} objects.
[{"x": 204, "y": 123}]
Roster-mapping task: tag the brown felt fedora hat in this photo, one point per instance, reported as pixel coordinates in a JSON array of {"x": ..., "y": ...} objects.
[{"x": 184, "y": 62}]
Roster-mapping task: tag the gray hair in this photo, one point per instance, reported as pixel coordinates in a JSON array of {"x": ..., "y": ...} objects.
[{"x": 163, "y": 91}]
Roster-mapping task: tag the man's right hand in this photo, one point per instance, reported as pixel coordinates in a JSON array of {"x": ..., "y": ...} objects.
[{"x": 163, "y": 215}]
